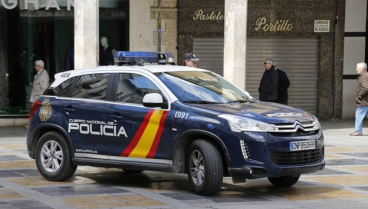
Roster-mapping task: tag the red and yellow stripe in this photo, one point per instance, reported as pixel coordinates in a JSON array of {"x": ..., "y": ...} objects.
[{"x": 145, "y": 142}]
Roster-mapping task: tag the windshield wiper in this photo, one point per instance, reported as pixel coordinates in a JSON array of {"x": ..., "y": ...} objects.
[
  {"x": 201, "y": 102},
  {"x": 240, "y": 101},
  {"x": 244, "y": 101}
]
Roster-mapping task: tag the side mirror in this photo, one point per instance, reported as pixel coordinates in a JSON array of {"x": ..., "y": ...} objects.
[{"x": 153, "y": 100}]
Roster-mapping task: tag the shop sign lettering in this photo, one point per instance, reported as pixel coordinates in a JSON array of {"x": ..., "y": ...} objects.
[
  {"x": 278, "y": 26},
  {"x": 201, "y": 15},
  {"x": 11, "y": 4}
]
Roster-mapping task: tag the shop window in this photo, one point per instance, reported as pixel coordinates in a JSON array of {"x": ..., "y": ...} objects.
[
  {"x": 27, "y": 35},
  {"x": 114, "y": 29}
]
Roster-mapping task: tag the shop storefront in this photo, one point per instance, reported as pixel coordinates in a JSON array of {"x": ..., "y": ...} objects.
[
  {"x": 301, "y": 40},
  {"x": 45, "y": 31}
]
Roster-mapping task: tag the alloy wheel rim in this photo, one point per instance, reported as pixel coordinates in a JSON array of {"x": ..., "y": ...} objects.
[
  {"x": 51, "y": 156},
  {"x": 197, "y": 168}
]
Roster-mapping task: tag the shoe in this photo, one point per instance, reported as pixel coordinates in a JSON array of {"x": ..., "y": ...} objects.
[{"x": 356, "y": 134}]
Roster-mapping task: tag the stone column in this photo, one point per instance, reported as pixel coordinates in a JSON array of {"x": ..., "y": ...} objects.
[
  {"x": 140, "y": 35},
  {"x": 235, "y": 41},
  {"x": 86, "y": 33}
]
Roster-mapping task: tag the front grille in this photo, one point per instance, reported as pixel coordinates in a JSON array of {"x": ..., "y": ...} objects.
[
  {"x": 296, "y": 158},
  {"x": 303, "y": 127}
]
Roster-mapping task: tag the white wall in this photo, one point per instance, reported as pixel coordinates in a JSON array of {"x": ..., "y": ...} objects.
[
  {"x": 355, "y": 15},
  {"x": 354, "y": 52}
]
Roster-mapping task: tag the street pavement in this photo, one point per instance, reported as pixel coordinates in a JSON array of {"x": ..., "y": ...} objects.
[{"x": 343, "y": 184}]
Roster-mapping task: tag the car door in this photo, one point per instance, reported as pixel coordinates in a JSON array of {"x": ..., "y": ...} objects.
[
  {"x": 146, "y": 130},
  {"x": 84, "y": 116}
]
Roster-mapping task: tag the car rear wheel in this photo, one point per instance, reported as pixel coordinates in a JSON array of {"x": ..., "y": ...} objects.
[
  {"x": 53, "y": 157},
  {"x": 284, "y": 181},
  {"x": 205, "y": 169}
]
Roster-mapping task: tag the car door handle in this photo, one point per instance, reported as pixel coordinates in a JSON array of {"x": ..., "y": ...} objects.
[
  {"x": 116, "y": 115},
  {"x": 69, "y": 108}
]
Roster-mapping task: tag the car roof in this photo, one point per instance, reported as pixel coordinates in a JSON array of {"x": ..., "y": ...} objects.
[{"x": 63, "y": 76}]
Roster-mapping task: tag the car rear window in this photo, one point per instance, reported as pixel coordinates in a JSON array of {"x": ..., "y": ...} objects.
[
  {"x": 61, "y": 90},
  {"x": 92, "y": 86}
]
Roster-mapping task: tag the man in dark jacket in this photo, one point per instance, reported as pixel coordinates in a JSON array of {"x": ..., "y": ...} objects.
[
  {"x": 269, "y": 83},
  {"x": 361, "y": 98},
  {"x": 284, "y": 83}
]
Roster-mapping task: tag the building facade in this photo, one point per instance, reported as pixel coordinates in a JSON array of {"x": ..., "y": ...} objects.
[
  {"x": 301, "y": 36},
  {"x": 73, "y": 34},
  {"x": 317, "y": 43}
]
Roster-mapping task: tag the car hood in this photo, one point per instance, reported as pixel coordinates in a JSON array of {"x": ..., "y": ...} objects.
[{"x": 262, "y": 111}]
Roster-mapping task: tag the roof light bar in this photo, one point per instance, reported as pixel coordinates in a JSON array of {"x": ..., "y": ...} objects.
[{"x": 131, "y": 58}]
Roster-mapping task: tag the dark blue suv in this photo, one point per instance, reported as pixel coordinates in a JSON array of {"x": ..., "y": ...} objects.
[{"x": 170, "y": 119}]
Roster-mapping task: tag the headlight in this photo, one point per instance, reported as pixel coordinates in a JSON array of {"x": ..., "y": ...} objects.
[
  {"x": 239, "y": 124},
  {"x": 316, "y": 121}
]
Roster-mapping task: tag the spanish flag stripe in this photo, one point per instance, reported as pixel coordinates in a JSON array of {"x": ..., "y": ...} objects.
[
  {"x": 145, "y": 143},
  {"x": 156, "y": 141},
  {"x": 137, "y": 135}
]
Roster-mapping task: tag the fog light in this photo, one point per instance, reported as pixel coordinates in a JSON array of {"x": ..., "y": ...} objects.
[{"x": 244, "y": 148}]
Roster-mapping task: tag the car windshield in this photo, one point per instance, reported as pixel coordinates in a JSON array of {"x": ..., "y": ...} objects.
[{"x": 202, "y": 87}]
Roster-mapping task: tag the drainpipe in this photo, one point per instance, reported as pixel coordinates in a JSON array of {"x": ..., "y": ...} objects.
[
  {"x": 159, "y": 26},
  {"x": 335, "y": 58}
]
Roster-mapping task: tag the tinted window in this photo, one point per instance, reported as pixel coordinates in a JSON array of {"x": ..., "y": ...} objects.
[
  {"x": 91, "y": 86},
  {"x": 61, "y": 90},
  {"x": 132, "y": 88}
]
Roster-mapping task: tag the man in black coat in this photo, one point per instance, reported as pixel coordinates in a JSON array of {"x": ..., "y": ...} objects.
[
  {"x": 269, "y": 83},
  {"x": 284, "y": 84}
]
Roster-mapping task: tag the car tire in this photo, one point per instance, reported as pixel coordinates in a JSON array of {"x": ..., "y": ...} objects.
[
  {"x": 53, "y": 157},
  {"x": 132, "y": 171},
  {"x": 205, "y": 169},
  {"x": 284, "y": 181}
]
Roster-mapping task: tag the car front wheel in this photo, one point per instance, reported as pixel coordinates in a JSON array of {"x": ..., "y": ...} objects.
[
  {"x": 205, "y": 169},
  {"x": 284, "y": 181},
  {"x": 53, "y": 157}
]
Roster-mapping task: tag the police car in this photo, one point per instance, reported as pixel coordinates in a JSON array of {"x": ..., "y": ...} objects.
[{"x": 171, "y": 119}]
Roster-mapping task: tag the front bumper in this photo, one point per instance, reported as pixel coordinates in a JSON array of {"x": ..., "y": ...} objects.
[
  {"x": 261, "y": 164},
  {"x": 254, "y": 172}
]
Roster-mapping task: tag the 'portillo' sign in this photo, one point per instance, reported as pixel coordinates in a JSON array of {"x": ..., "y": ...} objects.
[
  {"x": 26, "y": 4},
  {"x": 278, "y": 26}
]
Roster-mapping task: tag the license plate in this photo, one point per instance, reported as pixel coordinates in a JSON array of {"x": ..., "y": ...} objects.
[{"x": 302, "y": 145}]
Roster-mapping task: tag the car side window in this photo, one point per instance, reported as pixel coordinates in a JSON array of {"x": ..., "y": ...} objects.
[
  {"x": 61, "y": 90},
  {"x": 132, "y": 87},
  {"x": 91, "y": 86}
]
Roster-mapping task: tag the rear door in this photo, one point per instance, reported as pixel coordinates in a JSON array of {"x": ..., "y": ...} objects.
[
  {"x": 84, "y": 116},
  {"x": 146, "y": 136}
]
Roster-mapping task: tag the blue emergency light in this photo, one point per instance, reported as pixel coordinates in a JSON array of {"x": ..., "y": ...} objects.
[{"x": 132, "y": 58}]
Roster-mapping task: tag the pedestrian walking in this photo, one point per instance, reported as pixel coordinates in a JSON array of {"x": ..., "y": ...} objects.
[
  {"x": 282, "y": 89},
  {"x": 269, "y": 83},
  {"x": 190, "y": 60},
  {"x": 361, "y": 98},
  {"x": 40, "y": 81}
]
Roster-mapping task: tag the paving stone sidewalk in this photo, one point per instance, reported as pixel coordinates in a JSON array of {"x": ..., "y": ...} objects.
[{"x": 343, "y": 184}]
